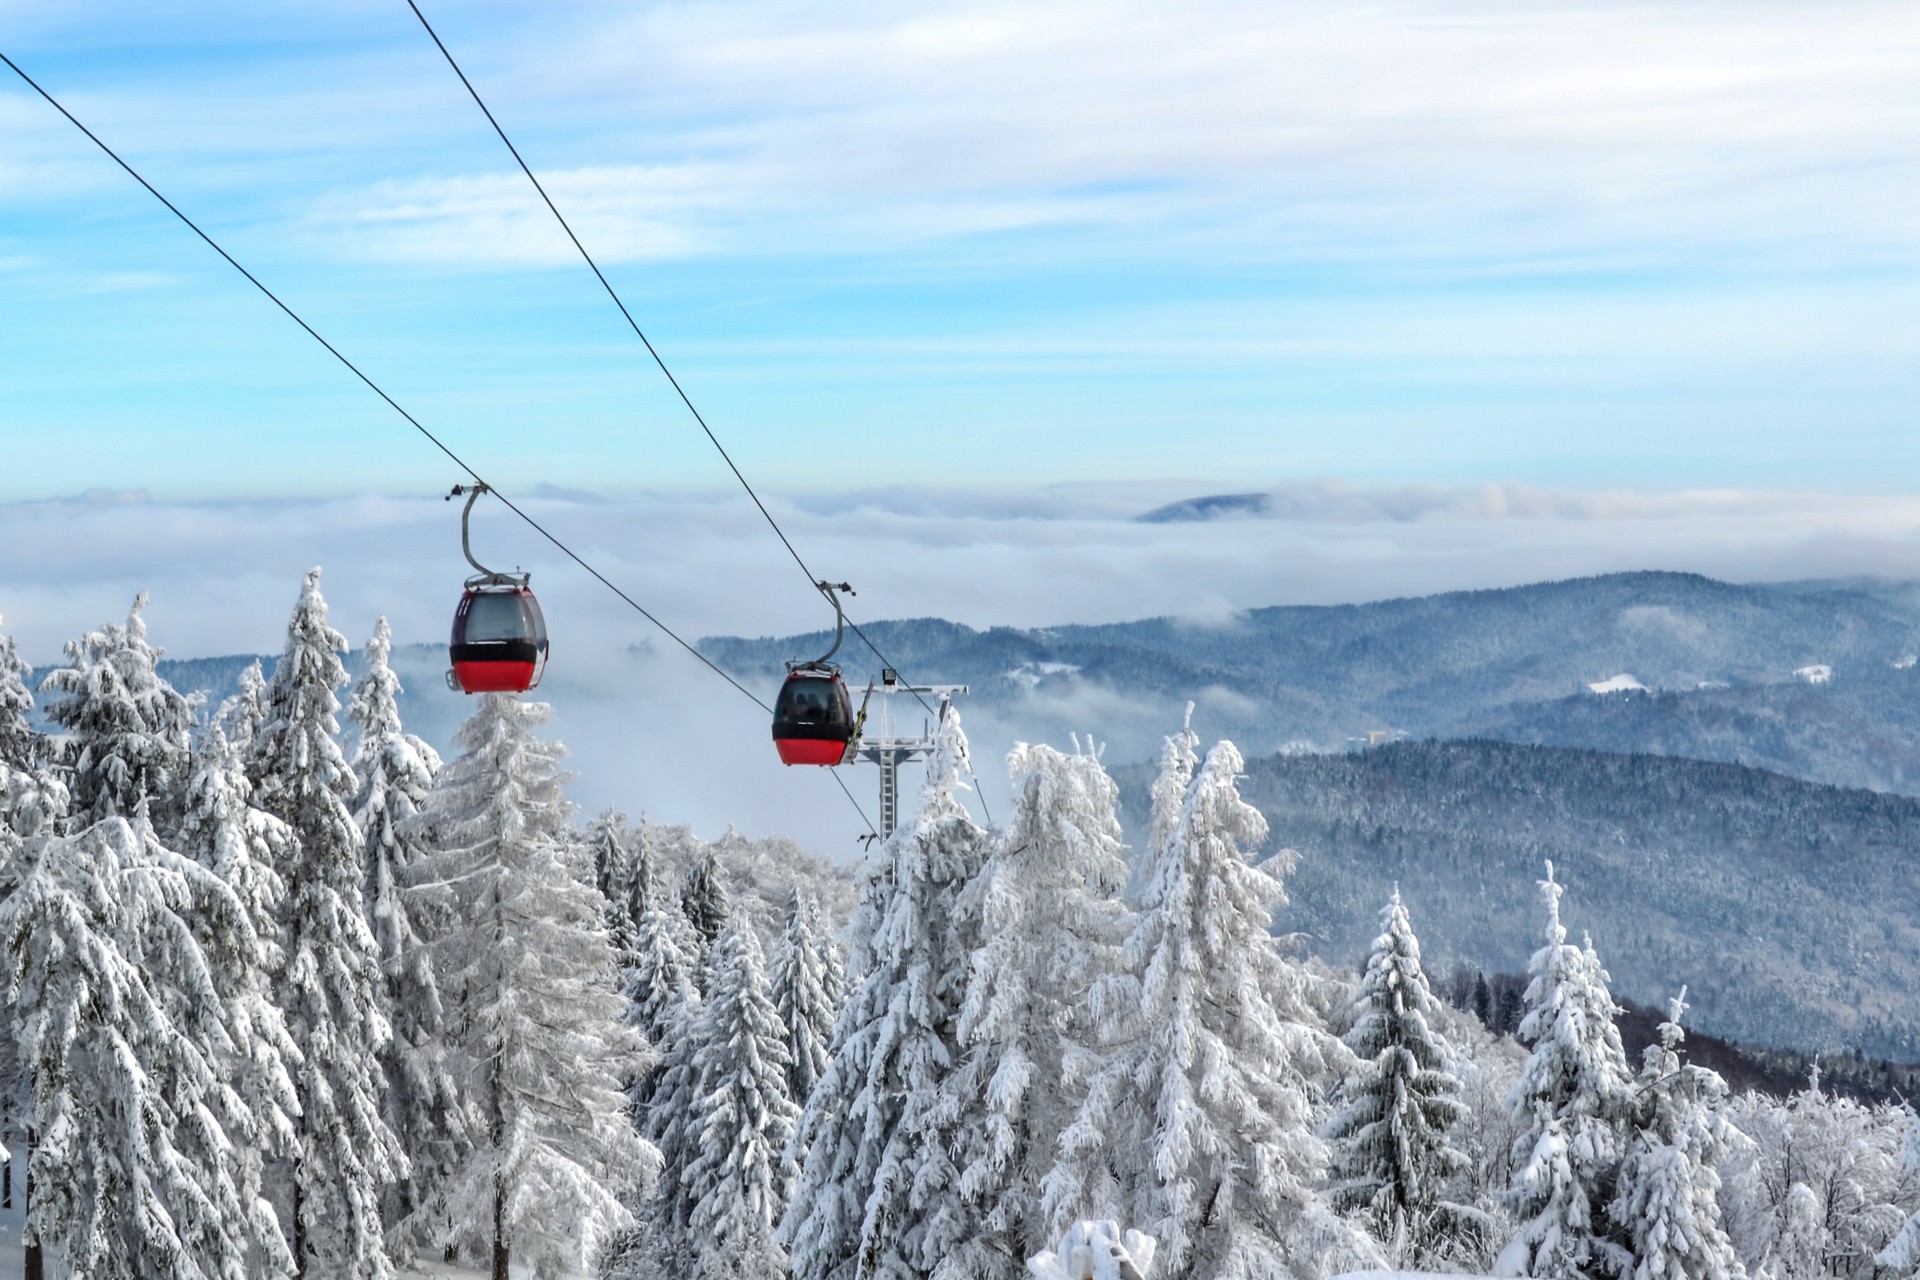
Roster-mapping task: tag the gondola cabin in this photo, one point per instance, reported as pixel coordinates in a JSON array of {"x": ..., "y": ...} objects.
[
  {"x": 813, "y": 718},
  {"x": 499, "y": 642}
]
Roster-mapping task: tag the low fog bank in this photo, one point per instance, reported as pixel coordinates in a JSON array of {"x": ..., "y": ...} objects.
[{"x": 654, "y": 731}]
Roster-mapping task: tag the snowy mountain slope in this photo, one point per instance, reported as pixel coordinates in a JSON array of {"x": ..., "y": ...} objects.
[
  {"x": 1786, "y": 907},
  {"x": 1514, "y": 663}
]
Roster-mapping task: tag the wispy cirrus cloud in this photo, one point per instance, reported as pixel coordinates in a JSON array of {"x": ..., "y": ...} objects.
[{"x": 1487, "y": 132}]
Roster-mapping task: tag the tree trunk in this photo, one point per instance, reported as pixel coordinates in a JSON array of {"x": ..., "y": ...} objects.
[
  {"x": 35, "y": 1268},
  {"x": 500, "y": 1232},
  {"x": 299, "y": 1241}
]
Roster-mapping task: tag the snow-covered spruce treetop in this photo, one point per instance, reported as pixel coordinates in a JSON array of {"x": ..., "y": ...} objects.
[
  {"x": 875, "y": 1150},
  {"x": 1391, "y": 1152},
  {"x": 1095, "y": 1251},
  {"x": 803, "y": 982},
  {"x": 1042, "y": 987},
  {"x": 1575, "y": 1099},
  {"x": 329, "y": 986},
  {"x": 423, "y": 1105},
  {"x": 1200, "y": 1126},
  {"x": 607, "y": 838},
  {"x": 241, "y": 715},
  {"x": 744, "y": 1118},
  {"x": 16, "y": 707},
  {"x": 1178, "y": 759},
  {"x": 32, "y": 798},
  {"x": 1668, "y": 1196},
  {"x": 704, "y": 898},
  {"x": 1902, "y": 1254},
  {"x": 532, "y": 1017},
  {"x": 243, "y": 844},
  {"x": 127, "y": 732},
  {"x": 670, "y": 1099},
  {"x": 123, "y": 1022}
]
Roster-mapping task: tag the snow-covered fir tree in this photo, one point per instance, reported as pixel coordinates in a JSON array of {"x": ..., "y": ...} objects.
[
  {"x": 1576, "y": 1100},
  {"x": 16, "y": 707},
  {"x": 671, "y": 1117},
  {"x": 241, "y": 715},
  {"x": 1819, "y": 1187},
  {"x": 533, "y": 1018},
  {"x": 1199, "y": 1126},
  {"x": 744, "y": 1118},
  {"x": 1667, "y": 1197},
  {"x": 1039, "y": 980},
  {"x": 123, "y": 1024},
  {"x": 876, "y": 1150},
  {"x": 1902, "y": 1254},
  {"x": 330, "y": 983},
  {"x": 607, "y": 838},
  {"x": 704, "y": 898},
  {"x": 803, "y": 979},
  {"x": 1391, "y": 1150},
  {"x": 242, "y": 845},
  {"x": 660, "y": 978},
  {"x": 126, "y": 732},
  {"x": 422, "y": 1103},
  {"x": 833, "y": 972}
]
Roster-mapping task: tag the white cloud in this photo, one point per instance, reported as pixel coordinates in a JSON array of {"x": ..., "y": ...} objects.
[{"x": 1549, "y": 136}]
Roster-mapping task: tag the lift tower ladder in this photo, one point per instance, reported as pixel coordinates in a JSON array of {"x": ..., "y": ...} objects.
[{"x": 886, "y": 748}]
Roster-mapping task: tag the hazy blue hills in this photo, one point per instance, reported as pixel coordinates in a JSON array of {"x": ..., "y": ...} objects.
[
  {"x": 1790, "y": 909},
  {"x": 1514, "y": 664},
  {"x": 427, "y": 706}
]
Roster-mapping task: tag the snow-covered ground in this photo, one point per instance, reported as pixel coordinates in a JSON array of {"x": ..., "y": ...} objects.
[
  {"x": 11, "y": 1260},
  {"x": 1406, "y": 1275},
  {"x": 441, "y": 1271},
  {"x": 1616, "y": 684}
]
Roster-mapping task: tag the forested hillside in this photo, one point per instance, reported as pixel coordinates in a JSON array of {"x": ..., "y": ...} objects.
[
  {"x": 1514, "y": 664},
  {"x": 1786, "y": 907},
  {"x": 1718, "y": 661}
]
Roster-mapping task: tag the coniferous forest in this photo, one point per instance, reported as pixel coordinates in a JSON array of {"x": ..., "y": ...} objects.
[{"x": 288, "y": 994}]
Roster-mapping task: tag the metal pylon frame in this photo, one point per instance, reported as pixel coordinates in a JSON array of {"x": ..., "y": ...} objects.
[{"x": 881, "y": 744}]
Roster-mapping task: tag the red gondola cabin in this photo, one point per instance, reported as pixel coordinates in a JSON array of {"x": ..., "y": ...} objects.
[
  {"x": 813, "y": 718},
  {"x": 499, "y": 642}
]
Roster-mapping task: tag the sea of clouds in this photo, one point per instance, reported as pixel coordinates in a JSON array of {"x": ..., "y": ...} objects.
[{"x": 652, "y": 730}]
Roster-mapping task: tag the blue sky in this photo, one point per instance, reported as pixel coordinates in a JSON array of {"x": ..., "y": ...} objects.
[
  {"x": 975, "y": 244},
  {"x": 1486, "y": 292}
]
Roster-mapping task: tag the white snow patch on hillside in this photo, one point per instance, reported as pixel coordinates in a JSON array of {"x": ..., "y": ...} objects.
[
  {"x": 1818, "y": 673},
  {"x": 1617, "y": 684},
  {"x": 1905, "y": 660},
  {"x": 1406, "y": 1275},
  {"x": 1030, "y": 674}
]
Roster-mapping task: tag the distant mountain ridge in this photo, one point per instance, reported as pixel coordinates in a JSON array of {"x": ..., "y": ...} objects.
[{"x": 1514, "y": 663}]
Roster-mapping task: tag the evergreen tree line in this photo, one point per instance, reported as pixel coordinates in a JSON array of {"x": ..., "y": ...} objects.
[{"x": 286, "y": 1001}]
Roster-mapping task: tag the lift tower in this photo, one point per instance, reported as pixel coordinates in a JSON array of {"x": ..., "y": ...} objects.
[{"x": 881, "y": 744}]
